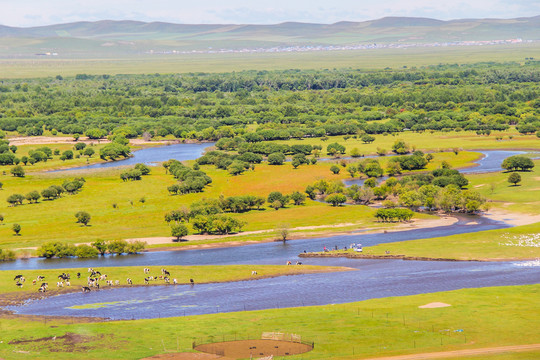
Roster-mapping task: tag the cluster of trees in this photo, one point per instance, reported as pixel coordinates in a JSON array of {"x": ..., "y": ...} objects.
[
  {"x": 190, "y": 180},
  {"x": 517, "y": 162},
  {"x": 386, "y": 215},
  {"x": 60, "y": 249},
  {"x": 117, "y": 148},
  {"x": 441, "y": 189},
  {"x": 284, "y": 104},
  {"x": 136, "y": 173},
  {"x": 50, "y": 193}
]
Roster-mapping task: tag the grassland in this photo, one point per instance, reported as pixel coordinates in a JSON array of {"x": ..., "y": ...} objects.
[
  {"x": 477, "y": 318},
  {"x": 200, "y": 274},
  {"x": 215, "y": 63},
  {"x": 435, "y": 141},
  {"x": 50, "y": 220}
]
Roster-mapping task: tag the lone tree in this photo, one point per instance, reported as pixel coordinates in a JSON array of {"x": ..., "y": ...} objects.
[
  {"x": 17, "y": 171},
  {"x": 83, "y": 217},
  {"x": 179, "y": 231},
  {"x": 335, "y": 169},
  {"x": 514, "y": 178},
  {"x": 16, "y": 229},
  {"x": 282, "y": 232}
]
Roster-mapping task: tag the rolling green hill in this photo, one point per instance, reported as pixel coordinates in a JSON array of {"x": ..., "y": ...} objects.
[{"x": 114, "y": 38}]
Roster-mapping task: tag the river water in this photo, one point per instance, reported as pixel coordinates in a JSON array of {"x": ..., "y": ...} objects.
[
  {"x": 152, "y": 155},
  {"x": 371, "y": 279}
]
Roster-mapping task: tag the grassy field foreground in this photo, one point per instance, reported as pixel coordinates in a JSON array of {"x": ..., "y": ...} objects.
[{"x": 477, "y": 318}]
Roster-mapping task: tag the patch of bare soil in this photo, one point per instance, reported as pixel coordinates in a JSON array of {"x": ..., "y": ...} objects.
[
  {"x": 69, "y": 342},
  {"x": 434, "y": 305},
  {"x": 254, "y": 348}
]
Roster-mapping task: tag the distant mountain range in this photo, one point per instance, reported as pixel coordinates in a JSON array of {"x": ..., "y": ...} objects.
[{"x": 113, "y": 38}]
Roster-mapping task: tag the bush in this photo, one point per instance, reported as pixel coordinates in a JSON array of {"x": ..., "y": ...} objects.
[
  {"x": 117, "y": 247},
  {"x": 7, "y": 255},
  {"x": 135, "y": 247},
  {"x": 179, "y": 231},
  {"x": 17, "y": 171},
  {"x": 276, "y": 158},
  {"x": 56, "y": 249},
  {"x": 86, "y": 251}
]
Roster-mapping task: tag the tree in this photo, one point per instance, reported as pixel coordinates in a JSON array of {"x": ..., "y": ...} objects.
[
  {"x": 335, "y": 169},
  {"x": 89, "y": 152},
  {"x": 33, "y": 196},
  {"x": 367, "y": 139},
  {"x": 179, "y": 231},
  {"x": 67, "y": 155},
  {"x": 514, "y": 178},
  {"x": 15, "y": 199},
  {"x": 336, "y": 199},
  {"x": 83, "y": 217},
  {"x": 298, "y": 198},
  {"x": 517, "y": 162},
  {"x": 86, "y": 251},
  {"x": 282, "y": 232},
  {"x": 400, "y": 147},
  {"x": 101, "y": 246},
  {"x": 17, "y": 171},
  {"x": 16, "y": 229},
  {"x": 276, "y": 158},
  {"x": 117, "y": 247},
  {"x": 144, "y": 169}
]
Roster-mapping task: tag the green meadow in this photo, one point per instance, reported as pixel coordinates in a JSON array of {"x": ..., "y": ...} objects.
[{"x": 477, "y": 318}]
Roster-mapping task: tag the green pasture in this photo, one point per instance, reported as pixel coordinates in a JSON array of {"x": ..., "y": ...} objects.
[
  {"x": 477, "y": 318},
  {"x": 215, "y": 63},
  {"x": 200, "y": 274},
  {"x": 431, "y": 141},
  {"x": 55, "y": 220}
]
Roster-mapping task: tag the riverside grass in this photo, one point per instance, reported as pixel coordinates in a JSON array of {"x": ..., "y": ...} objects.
[
  {"x": 54, "y": 220},
  {"x": 477, "y": 318},
  {"x": 201, "y": 274}
]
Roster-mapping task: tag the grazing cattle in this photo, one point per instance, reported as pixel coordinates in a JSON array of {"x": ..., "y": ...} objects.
[
  {"x": 167, "y": 279},
  {"x": 17, "y": 277},
  {"x": 166, "y": 273},
  {"x": 298, "y": 263},
  {"x": 34, "y": 282},
  {"x": 109, "y": 282},
  {"x": 45, "y": 285},
  {"x": 191, "y": 281},
  {"x": 42, "y": 289},
  {"x": 116, "y": 282},
  {"x": 59, "y": 284},
  {"x": 289, "y": 263},
  {"x": 68, "y": 283},
  {"x": 85, "y": 289},
  {"x": 103, "y": 277},
  {"x": 19, "y": 284},
  {"x": 90, "y": 270},
  {"x": 175, "y": 281},
  {"x": 129, "y": 281},
  {"x": 63, "y": 277},
  {"x": 253, "y": 272},
  {"x": 146, "y": 280},
  {"x": 146, "y": 270},
  {"x": 78, "y": 275}
]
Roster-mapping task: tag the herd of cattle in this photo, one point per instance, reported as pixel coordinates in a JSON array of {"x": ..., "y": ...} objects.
[{"x": 94, "y": 279}]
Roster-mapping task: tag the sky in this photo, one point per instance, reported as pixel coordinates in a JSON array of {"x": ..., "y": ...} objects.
[{"x": 27, "y": 13}]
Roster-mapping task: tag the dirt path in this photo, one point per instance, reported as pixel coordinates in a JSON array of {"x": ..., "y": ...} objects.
[{"x": 466, "y": 352}]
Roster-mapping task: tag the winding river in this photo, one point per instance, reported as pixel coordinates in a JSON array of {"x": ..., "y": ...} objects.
[{"x": 370, "y": 279}]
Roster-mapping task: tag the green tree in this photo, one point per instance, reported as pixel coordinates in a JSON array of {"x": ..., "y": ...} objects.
[
  {"x": 276, "y": 158},
  {"x": 83, "y": 217},
  {"x": 89, "y": 152},
  {"x": 15, "y": 199},
  {"x": 101, "y": 246},
  {"x": 33, "y": 196},
  {"x": 336, "y": 199},
  {"x": 17, "y": 171},
  {"x": 335, "y": 169},
  {"x": 117, "y": 247},
  {"x": 86, "y": 251},
  {"x": 16, "y": 229},
  {"x": 514, "y": 178},
  {"x": 179, "y": 231}
]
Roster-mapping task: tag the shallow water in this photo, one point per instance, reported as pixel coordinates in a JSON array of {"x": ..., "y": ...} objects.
[{"x": 372, "y": 279}]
